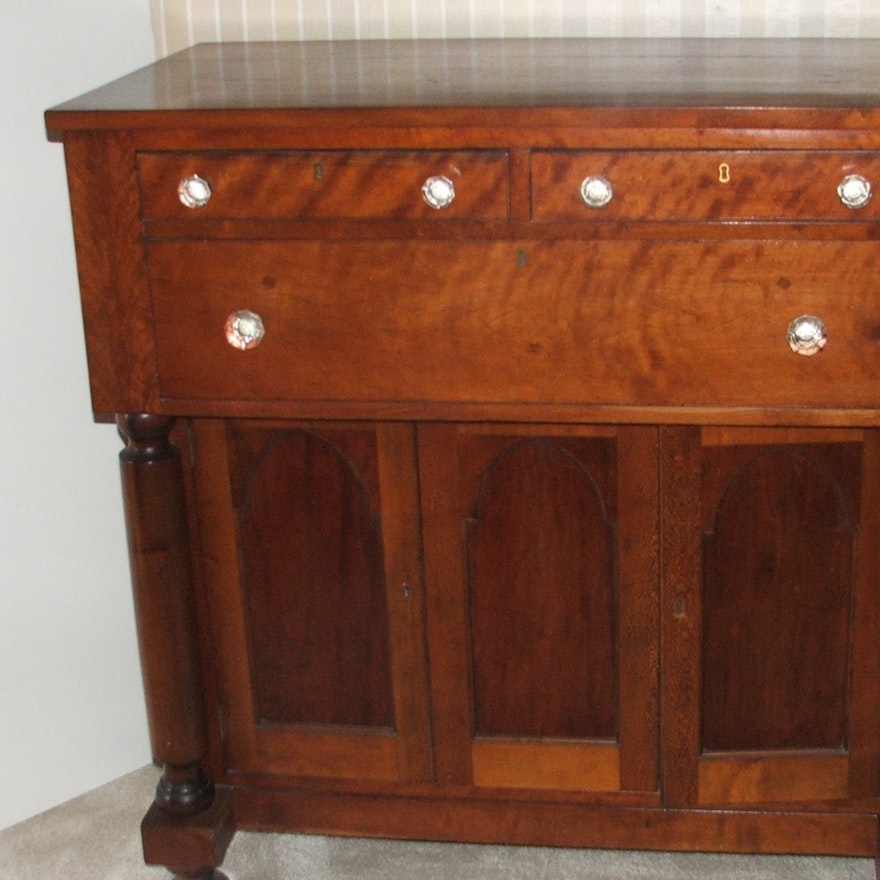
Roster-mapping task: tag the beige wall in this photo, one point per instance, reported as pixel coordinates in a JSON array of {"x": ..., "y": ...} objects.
[
  {"x": 180, "y": 23},
  {"x": 71, "y": 702}
]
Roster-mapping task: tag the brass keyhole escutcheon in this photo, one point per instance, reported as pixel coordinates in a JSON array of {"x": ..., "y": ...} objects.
[{"x": 724, "y": 173}]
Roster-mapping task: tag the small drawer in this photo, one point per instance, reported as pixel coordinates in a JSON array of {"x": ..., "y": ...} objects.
[
  {"x": 404, "y": 185},
  {"x": 705, "y": 185}
]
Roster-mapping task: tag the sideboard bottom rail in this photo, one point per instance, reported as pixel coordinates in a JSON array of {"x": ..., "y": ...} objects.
[{"x": 543, "y": 823}]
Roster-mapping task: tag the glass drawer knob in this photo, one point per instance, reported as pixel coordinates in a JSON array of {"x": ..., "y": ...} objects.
[
  {"x": 194, "y": 191},
  {"x": 244, "y": 329},
  {"x": 854, "y": 191},
  {"x": 807, "y": 335},
  {"x": 596, "y": 191},
  {"x": 438, "y": 191}
]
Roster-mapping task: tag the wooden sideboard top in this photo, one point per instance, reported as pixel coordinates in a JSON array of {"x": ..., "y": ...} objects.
[{"x": 838, "y": 79}]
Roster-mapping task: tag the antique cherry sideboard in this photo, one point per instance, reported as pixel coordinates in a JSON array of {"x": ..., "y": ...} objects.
[{"x": 501, "y": 432}]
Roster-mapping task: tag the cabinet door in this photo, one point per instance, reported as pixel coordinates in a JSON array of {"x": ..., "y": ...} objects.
[
  {"x": 311, "y": 560},
  {"x": 540, "y": 564},
  {"x": 772, "y": 653}
]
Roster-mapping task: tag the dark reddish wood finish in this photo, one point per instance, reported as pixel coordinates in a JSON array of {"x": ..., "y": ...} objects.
[
  {"x": 523, "y": 523},
  {"x": 524, "y": 557},
  {"x": 158, "y": 541},
  {"x": 540, "y": 583},
  {"x": 113, "y": 280},
  {"x": 177, "y": 831},
  {"x": 768, "y": 638},
  {"x": 364, "y": 184},
  {"x": 778, "y": 557},
  {"x": 191, "y": 846},
  {"x": 701, "y": 185},
  {"x": 623, "y": 323},
  {"x": 314, "y": 584}
]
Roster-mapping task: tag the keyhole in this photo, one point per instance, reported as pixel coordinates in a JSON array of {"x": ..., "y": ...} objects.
[{"x": 724, "y": 173}]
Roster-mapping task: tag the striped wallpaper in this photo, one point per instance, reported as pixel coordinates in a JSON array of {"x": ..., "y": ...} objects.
[{"x": 181, "y": 23}]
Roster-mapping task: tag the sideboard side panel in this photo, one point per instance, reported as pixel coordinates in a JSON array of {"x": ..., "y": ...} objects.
[{"x": 113, "y": 282}]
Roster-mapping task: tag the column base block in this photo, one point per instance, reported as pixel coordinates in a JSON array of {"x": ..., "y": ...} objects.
[{"x": 190, "y": 846}]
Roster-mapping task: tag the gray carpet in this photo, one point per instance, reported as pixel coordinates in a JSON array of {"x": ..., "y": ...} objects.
[{"x": 95, "y": 837}]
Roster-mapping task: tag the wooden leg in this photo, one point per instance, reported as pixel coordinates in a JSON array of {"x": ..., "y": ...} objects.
[
  {"x": 209, "y": 874},
  {"x": 189, "y": 825},
  {"x": 877, "y": 852}
]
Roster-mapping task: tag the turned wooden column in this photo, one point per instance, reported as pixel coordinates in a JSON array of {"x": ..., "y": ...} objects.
[{"x": 188, "y": 827}]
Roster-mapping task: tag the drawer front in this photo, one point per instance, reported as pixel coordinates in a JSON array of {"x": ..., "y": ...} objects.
[
  {"x": 706, "y": 185},
  {"x": 326, "y": 184},
  {"x": 568, "y": 322}
]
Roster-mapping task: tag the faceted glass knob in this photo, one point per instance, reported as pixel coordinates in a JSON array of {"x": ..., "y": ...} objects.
[
  {"x": 244, "y": 329},
  {"x": 854, "y": 191},
  {"x": 596, "y": 191},
  {"x": 438, "y": 191},
  {"x": 194, "y": 191},
  {"x": 807, "y": 335}
]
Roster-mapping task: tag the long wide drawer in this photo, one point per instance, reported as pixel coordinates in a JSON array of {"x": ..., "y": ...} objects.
[{"x": 566, "y": 322}]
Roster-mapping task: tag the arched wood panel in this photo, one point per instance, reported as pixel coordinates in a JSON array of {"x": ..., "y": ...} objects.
[
  {"x": 542, "y": 599},
  {"x": 314, "y": 586},
  {"x": 769, "y": 678},
  {"x": 777, "y": 603},
  {"x": 541, "y": 577}
]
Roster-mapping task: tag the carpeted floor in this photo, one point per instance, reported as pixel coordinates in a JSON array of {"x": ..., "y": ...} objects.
[{"x": 95, "y": 837}]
